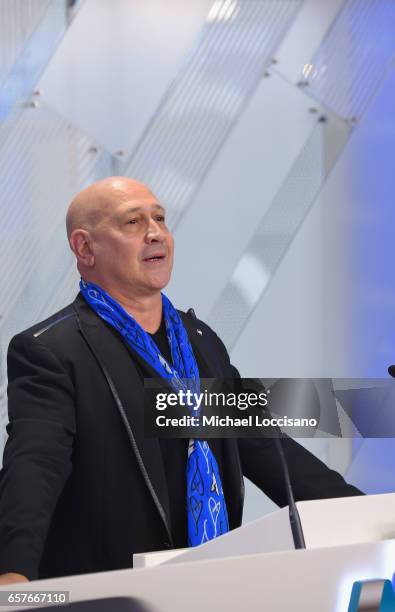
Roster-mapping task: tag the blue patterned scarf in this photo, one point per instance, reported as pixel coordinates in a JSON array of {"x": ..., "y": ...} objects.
[{"x": 206, "y": 506}]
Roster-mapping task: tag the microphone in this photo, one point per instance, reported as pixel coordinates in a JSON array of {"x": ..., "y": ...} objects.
[
  {"x": 391, "y": 370},
  {"x": 294, "y": 517}
]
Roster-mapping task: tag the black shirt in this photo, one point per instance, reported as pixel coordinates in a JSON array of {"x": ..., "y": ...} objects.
[{"x": 174, "y": 453}]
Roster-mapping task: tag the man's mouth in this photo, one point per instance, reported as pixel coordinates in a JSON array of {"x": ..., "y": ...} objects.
[{"x": 154, "y": 258}]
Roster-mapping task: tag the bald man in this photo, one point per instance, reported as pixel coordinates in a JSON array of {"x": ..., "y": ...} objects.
[{"x": 82, "y": 489}]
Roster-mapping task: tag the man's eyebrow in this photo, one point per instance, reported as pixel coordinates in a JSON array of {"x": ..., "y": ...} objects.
[{"x": 139, "y": 209}]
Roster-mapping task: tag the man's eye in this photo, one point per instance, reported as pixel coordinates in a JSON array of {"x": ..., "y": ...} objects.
[
  {"x": 160, "y": 218},
  {"x": 132, "y": 221}
]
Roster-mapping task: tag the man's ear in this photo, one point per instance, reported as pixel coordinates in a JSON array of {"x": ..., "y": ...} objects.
[{"x": 80, "y": 244}]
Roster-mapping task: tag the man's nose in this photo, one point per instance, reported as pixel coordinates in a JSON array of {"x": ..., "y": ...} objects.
[{"x": 154, "y": 232}]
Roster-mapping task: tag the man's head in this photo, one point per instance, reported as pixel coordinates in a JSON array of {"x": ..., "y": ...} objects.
[{"x": 116, "y": 229}]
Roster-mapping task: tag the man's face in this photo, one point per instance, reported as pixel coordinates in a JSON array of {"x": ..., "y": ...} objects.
[{"x": 132, "y": 247}]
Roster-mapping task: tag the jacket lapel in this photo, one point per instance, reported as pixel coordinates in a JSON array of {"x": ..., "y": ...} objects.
[
  {"x": 210, "y": 364},
  {"x": 114, "y": 357}
]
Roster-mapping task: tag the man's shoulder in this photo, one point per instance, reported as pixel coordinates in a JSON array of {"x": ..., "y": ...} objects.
[
  {"x": 190, "y": 320},
  {"x": 59, "y": 325},
  {"x": 197, "y": 326}
]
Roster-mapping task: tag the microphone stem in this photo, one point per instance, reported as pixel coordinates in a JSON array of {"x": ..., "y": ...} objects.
[{"x": 294, "y": 518}]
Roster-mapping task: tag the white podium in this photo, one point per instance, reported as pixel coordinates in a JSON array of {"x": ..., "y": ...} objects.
[
  {"x": 254, "y": 567},
  {"x": 325, "y": 522}
]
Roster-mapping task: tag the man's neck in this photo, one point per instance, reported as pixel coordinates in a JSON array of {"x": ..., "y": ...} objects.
[{"x": 145, "y": 309}]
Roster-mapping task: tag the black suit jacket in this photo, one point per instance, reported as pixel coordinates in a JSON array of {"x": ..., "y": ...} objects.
[{"x": 81, "y": 488}]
